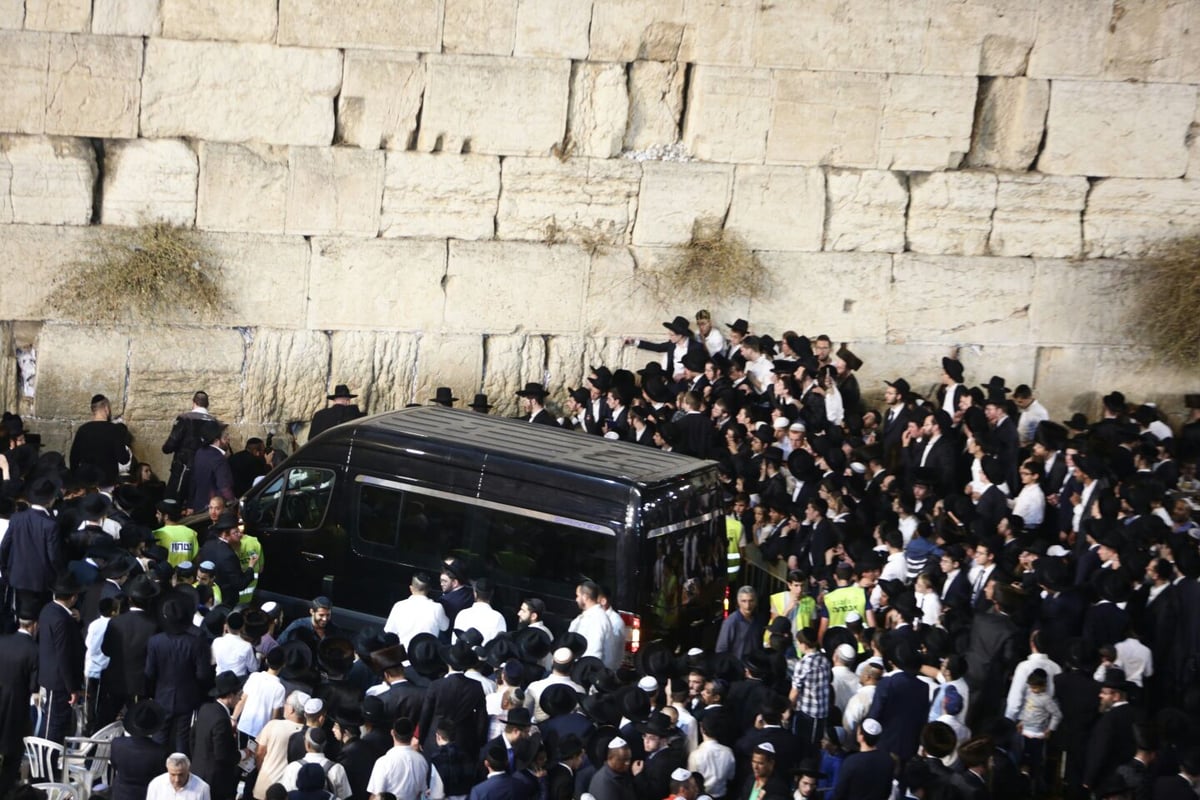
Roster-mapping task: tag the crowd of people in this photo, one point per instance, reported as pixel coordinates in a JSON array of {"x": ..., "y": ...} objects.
[{"x": 979, "y": 601}]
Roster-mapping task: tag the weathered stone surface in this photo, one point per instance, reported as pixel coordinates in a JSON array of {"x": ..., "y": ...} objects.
[
  {"x": 489, "y": 285},
  {"x": 388, "y": 24},
  {"x": 67, "y": 16},
  {"x": 951, "y": 212},
  {"x": 285, "y": 374},
  {"x": 866, "y": 210},
  {"x": 778, "y": 208},
  {"x": 655, "y": 103},
  {"x": 1075, "y": 378},
  {"x": 12, "y": 14},
  {"x": 926, "y": 123},
  {"x": 937, "y": 299},
  {"x": 36, "y": 250},
  {"x": 1038, "y": 215},
  {"x": 8, "y": 367},
  {"x": 565, "y": 362},
  {"x": 1193, "y": 139},
  {"x": 259, "y": 273},
  {"x": 24, "y": 62},
  {"x": 157, "y": 358},
  {"x": 628, "y": 30},
  {"x": 619, "y": 300},
  {"x": 582, "y": 200},
  {"x": 244, "y": 21},
  {"x": 1009, "y": 120},
  {"x": 440, "y": 195},
  {"x": 826, "y": 118},
  {"x": 849, "y": 286},
  {"x": 729, "y": 114},
  {"x": 445, "y": 359},
  {"x": 379, "y": 367},
  {"x": 1071, "y": 38},
  {"x": 719, "y": 32},
  {"x": 674, "y": 196},
  {"x": 76, "y": 362},
  {"x": 984, "y": 37},
  {"x": 1129, "y": 217},
  {"x": 481, "y": 27},
  {"x": 488, "y": 105},
  {"x": 239, "y": 92},
  {"x": 334, "y": 190},
  {"x": 149, "y": 180},
  {"x": 93, "y": 85},
  {"x": 1154, "y": 41},
  {"x": 512, "y": 361},
  {"x": 1073, "y": 301},
  {"x": 46, "y": 180},
  {"x": 851, "y": 35},
  {"x": 380, "y": 100},
  {"x": 1123, "y": 130},
  {"x": 243, "y": 187},
  {"x": 598, "y": 110},
  {"x": 126, "y": 17},
  {"x": 553, "y": 28},
  {"x": 921, "y": 365},
  {"x": 405, "y": 279}
]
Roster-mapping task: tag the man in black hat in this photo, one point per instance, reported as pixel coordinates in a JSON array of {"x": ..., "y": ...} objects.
[
  {"x": 136, "y": 757},
  {"x": 480, "y": 404},
  {"x": 247, "y": 464},
  {"x": 210, "y": 476},
  {"x": 125, "y": 641},
  {"x": 60, "y": 658},
  {"x": 938, "y": 453},
  {"x": 443, "y": 396},
  {"x": 178, "y": 667},
  {"x": 533, "y": 404},
  {"x": 895, "y": 419},
  {"x": 101, "y": 443},
  {"x": 680, "y": 342},
  {"x": 951, "y": 390},
  {"x": 457, "y": 698},
  {"x": 340, "y": 410},
  {"x": 214, "y": 748},
  {"x": 664, "y": 747},
  {"x": 1110, "y": 743},
  {"x": 182, "y": 444},
  {"x": 18, "y": 682},
  {"x": 222, "y": 550},
  {"x": 30, "y": 556},
  {"x": 560, "y": 778}
]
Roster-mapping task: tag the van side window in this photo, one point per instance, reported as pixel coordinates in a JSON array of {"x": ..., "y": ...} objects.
[
  {"x": 297, "y": 500},
  {"x": 378, "y": 518}
]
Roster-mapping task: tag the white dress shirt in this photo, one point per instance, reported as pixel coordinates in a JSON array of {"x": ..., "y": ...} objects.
[
  {"x": 416, "y": 614},
  {"x": 483, "y": 618}
]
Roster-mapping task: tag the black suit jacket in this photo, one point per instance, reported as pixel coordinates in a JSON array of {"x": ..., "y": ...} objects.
[
  {"x": 326, "y": 418},
  {"x": 696, "y": 435},
  {"x": 215, "y": 750},
  {"x": 544, "y": 417},
  {"x": 230, "y": 576},
  {"x": 460, "y": 699},
  {"x": 943, "y": 460},
  {"x": 403, "y": 699},
  {"x": 178, "y": 670},
  {"x": 1110, "y": 744},
  {"x": 18, "y": 680},
  {"x": 125, "y": 642},
  {"x": 136, "y": 761},
  {"x": 60, "y": 650},
  {"x": 787, "y": 746},
  {"x": 901, "y": 704},
  {"x": 1008, "y": 449},
  {"x": 990, "y": 509},
  {"x": 654, "y": 781},
  {"x": 30, "y": 557},
  {"x": 560, "y": 783}
]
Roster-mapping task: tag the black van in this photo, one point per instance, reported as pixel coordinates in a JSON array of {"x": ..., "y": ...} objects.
[{"x": 356, "y": 511}]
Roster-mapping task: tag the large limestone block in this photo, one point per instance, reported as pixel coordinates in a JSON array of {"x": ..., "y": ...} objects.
[
  {"x": 926, "y": 122},
  {"x": 243, "y": 187},
  {"x": 1129, "y": 217},
  {"x": 512, "y": 361},
  {"x": 334, "y": 190},
  {"x": 66, "y": 16},
  {"x": 719, "y": 32},
  {"x": 921, "y": 365},
  {"x": 12, "y": 14},
  {"x": 93, "y": 86},
  {"x": 1073, "y": 301},
  {"x": 212, "y": 359},
  {"x": 655, "y": 103},
  {"x": 565, "y": 366},
  {"x": 479, "y": 27},
  {"x": 1193, "y": 171},
  {"x": 979, "y": 37},
  {"x": 379, "y": 284},
  {"x": 36, "y": 250},
  {"x": 239, "y": 92},
  {"x": 380, "y": 100},
  {"x": 1038, "y": 215},
  {"x": 778, "y": 208},
  {"x": 620, "y": 296},
  {"x": 960, "y": 300},
  {"x": 1009, "y": 120},
  {"x": 1071, "y": 39},
  {"x": 24, "y": 62},
  {"x": 386, "y": 24},
  {"x": 599, "y": 109},
  {"x": 440, "y": 195},
  {"x": 261, "y": 276},
  {"x": 826, "y": 118},
  {"x": 728, "y": 114},
  {"x": 1154, "y": 41},
  {"x": 866, "y": 210},
  {"x": 446, "y": 359},
  {"x": 591, "y": 201},
  {"x": 553, "y": 28},
  {"x": 950, "y": 213},
  {"x": 843, "y": 294},
  {"x": 1122, "y": 130},
  {"x": 46, "y": 180},
  {"x": 846, "y": 35},
  {"x": 76, "y": 362},
  {"x": 1075, "y": 378},
  {"x": 628, "y": 30},
  {"x": 147, "y": 180},
  {"x": 507, "y": 286},
  {"x": 126, "y": 17},
  {"x": 286, "y": 374},
  {"x": 378, "y": 366},
  {"x": 243, "y": 21},
  {"x": 479, "y": 104},
  {"x": 674, "y": 196}
]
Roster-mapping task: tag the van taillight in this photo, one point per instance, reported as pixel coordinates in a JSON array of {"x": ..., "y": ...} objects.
[
  {"x": 725, "y": 602},
  {"x": 633, "y": 632}
]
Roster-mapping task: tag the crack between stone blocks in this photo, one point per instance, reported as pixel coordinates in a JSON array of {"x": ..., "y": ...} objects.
[
  {"x": 483, "y": 360},
  {"x": 128, "y": 374},
  {"x": 98, "y": 188},
  {"x": 828, "y": 208},
  {"x": 415, "y": 136},
  {"x": 907, "y": 208},
  {"x": 1045, "y": 132},
  {"x": 591, "y": 21},
  {"x": 1087, "y": 198},
  {"x": 987, "y": 249},
  {"x": 546, "y": 360},
  {"x": 684, "y": 100}
]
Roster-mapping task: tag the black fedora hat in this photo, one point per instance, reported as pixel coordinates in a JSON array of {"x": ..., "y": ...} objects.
[
  {"x": 954, "y": 368},
  {"x": 533, "y": 644},
  {"x": 142, "y": 589},
  {"x": 656, "y": 659},
  {"x": 680, "y": 325},
  {"x": 852, "y": 362},
  {"x": 586, "y": 670},
  {"x": 658, "y": 724},
  {"x": 557, "y": 699},
  {"x": 145, "y": 718},
  {"x": 635, "y": 703},
  {"x": 424, "y": 654},
  {"x": 533, "y": 389},
  {"x": 603, "y": 709},
  {"x": 460, "y": 656},
  {"x": 66, "y": 584},
  {"x": 388, "y": 658},
  {"x": 443, "y": 396},
  {"x": 226, "y": 683},
  {"x": 739, "y": 325},
  {"x": 341, "y": 391},
  {"x": 480, "y": 402},
  {"x": 603, "y": 377},
  {"x": 573, "y": 642},
  {"x": 297, "y": 662},
  {"x": 901, "y": 386},
  {"x": 809, "y": 767}
]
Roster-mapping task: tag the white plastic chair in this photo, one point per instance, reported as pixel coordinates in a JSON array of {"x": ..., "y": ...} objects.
[
  {"x": 45, "y": 759},
  {"x": 58, "y": 791},
  {"x": 87, "y": 758}
]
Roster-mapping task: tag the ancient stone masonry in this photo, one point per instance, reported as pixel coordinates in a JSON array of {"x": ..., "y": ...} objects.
[{"x": 403, "y": 194}]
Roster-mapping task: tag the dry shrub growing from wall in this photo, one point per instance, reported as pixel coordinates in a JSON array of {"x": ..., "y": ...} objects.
[
  {"x": 1167, "y": 309},
  {"x": 715, "y": 262},
  {"x": 151, "y": 273}
]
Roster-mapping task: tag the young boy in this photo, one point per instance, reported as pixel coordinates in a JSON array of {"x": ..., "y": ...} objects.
[{"x": 1039, "y": 717}]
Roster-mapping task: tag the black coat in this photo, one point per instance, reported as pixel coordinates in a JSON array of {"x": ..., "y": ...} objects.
[
  {"x": 326, "y": 418},
  {"x": 865, "y": 776},
  {"x": 788, "y": 749},
  {"x": 358, "y": 759},
  {"x": 229, "y": 575},
  {"x": 178, "y": 670},
  {"x": 101, "y": 444},
  {"x": 30, "y": 557},
  {"x": 18, "y": 680},
  {"x": 560, "y": 783},
  {"x": 901, "y": 704},
  {"x": 60, "y": 650},
  {"x": 1110, "y": 744},
  {"x": 125, "y": 642},
  {"x": 654, "y": 781},
  {"x": 215, "y": 751},
  {"x": 136, "y": 761},
  {"x": 460, "y": 699},
  {"x": 403, "y": 699}
]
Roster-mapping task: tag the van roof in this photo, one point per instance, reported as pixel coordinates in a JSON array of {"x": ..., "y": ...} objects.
[{"x": 516, "y": 439}]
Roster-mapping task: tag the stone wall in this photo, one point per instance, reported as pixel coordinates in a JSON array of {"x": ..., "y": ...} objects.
[{"x": 412, "y": 193}]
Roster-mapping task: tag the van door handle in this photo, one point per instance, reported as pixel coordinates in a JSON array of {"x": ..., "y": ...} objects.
[{"x": 312, "y": 556}]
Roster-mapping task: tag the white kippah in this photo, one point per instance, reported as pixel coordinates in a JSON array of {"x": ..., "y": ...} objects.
[
  {"x": 780, "y": 423},
  {"x": 563, "y": 655},
  {"x": 617, "y": 743},
  {"x": 680, "y": 774},
  {"x": 872, "y": 727},
  {"x": 648, "y": 684},
  {"x": 314, "y": 705},
  {"x": 767, "y": 747},
  {"x": 845, "y": 652},
  {"x": 695, "y": 651}
]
